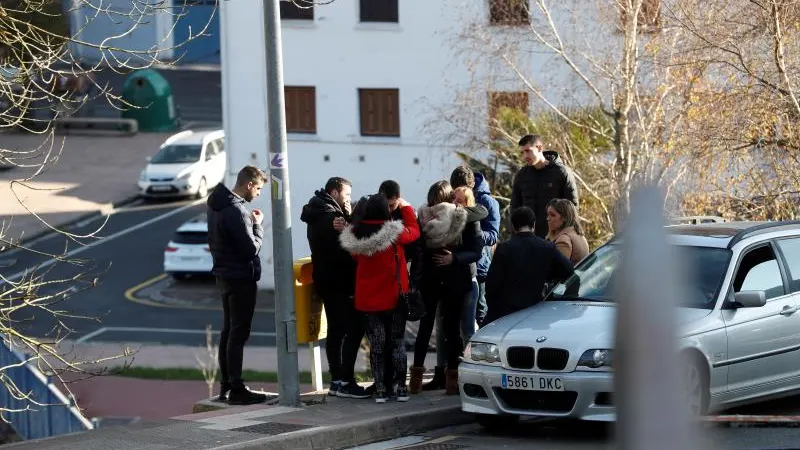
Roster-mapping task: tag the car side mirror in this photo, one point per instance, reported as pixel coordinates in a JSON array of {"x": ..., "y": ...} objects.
[{"x": 749, "y": 299}]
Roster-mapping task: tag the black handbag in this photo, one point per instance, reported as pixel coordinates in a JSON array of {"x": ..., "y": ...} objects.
[{"x": 412, "y": 299}]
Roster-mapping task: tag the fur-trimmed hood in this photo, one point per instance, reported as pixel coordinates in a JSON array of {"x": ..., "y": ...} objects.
[
  {"x": 442, "y": 224},
  {"x": 384, "y": 238}
]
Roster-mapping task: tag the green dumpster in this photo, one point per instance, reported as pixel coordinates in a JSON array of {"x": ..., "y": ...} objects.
[{"x": 151, "y": 103}]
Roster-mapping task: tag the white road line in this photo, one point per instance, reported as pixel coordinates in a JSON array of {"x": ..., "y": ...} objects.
[
  {"x": 94, "y": 333},
  {"x": 100, "y": 331},
  {"x": 109, "y": 238}
]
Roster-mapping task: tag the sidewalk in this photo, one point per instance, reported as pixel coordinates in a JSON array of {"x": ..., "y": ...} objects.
[
  {"x": 335, "y": 424},
  {"x": 90, "y": 174}
]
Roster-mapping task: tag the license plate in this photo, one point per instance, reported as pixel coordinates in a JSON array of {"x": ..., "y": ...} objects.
[
  {"x": 532, "y": 383},
  {"x": 161, "y": 188},
  {"x": 190, "y": 258}
]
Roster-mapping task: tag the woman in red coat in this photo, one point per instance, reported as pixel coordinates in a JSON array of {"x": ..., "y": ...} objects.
[{"x": 376, "y": 243}]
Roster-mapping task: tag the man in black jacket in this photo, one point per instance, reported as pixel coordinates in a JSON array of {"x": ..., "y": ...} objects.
[
  {"x": 544, "y": 178},
  {"x": 520, "y": 268},
  {"x": 234, "y": 238},
  {"x": 334, "y": 277}
]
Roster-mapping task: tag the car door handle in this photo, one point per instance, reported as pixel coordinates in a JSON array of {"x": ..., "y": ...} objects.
[{"x": 788, "y": 310}]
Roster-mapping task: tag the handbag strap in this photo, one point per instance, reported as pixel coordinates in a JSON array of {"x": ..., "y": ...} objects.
[{"x": 397, "y": 270}]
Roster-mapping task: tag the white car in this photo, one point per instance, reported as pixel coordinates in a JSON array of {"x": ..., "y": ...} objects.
[
  {"x": 739, "y": 331},
  {"x": 188, "y": 163},
  {"x": 187, "y": 253}
]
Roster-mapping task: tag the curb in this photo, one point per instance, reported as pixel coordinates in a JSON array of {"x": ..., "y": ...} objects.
[
  {"x": 103, "y": 210},
  {"x": 363, "y": 432},
  {"x": 751, "y": 421}
]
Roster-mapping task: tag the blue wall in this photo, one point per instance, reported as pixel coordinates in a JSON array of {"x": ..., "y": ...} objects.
[{"x": 195, "y": 16}]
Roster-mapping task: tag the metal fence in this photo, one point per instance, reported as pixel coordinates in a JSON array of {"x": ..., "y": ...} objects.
[{"x": 50, "y": 413}]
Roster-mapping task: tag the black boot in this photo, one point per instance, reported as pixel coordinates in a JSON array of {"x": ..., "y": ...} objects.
[
  {"x": 438, "y": 381},
  {"x": 223, "y": 393},
  {"x": 243, "y": 396}
]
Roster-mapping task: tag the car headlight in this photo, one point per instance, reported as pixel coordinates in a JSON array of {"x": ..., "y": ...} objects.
[
  {"x": 482, "y": 352},
  {"x": 184, "y": 176},
  {"x": 143, "y": 175},
  {"x": 597, "y": 358}
]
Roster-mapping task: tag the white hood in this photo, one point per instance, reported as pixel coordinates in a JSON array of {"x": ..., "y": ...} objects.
[
  {"x": 169, "y": 170},
  {"x": 573, "y": 325}
]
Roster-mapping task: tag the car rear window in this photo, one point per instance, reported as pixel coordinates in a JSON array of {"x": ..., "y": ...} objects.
[{"x": 190, "y": 237}]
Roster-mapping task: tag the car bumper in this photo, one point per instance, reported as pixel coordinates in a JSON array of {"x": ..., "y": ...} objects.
[
  {"x": 586, "y": 395},
  {"x": 188, "y": 264},
  {"x": 176, "y": 188}
]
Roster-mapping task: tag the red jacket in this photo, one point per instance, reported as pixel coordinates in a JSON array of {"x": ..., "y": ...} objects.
[{"x": 376, "y": 272}]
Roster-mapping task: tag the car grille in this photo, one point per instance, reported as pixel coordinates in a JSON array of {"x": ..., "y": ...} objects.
[
  {"x": 559, "y": 402},
  {"x": 552, "y": 358},
  {"x": 520, "y": 357},
  {"x": 162, "y": 179}
]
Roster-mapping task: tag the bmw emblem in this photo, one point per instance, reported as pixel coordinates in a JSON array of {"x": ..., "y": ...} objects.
[{"x": 541, "y": 339}]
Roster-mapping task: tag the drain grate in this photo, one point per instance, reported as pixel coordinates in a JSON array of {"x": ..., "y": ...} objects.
[
  {"x": 437, "y": 446},
  {"x": 272, "y": 428}
]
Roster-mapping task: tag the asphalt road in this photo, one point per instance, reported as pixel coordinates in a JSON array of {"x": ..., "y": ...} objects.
[
  {"x": 128, "y": 253},
  {"x": 565, "y": 435}
]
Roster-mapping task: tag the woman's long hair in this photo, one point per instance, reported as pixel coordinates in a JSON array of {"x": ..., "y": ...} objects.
[
  {"x": 568, "y": 212},
  {"x": 374, "y": 215},
  {"x": 440, "y": 192}
]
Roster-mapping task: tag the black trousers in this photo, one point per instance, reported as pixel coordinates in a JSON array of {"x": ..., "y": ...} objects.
[
  {"x": 452, "y": 306},
  {"x": 238, "y": 306},
  {"x": 345, "y": 332}
]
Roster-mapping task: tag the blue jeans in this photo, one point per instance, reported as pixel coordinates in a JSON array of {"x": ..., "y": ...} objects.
[
  {"x": 482, "y": 309},
  {"x": 467, "y": 323}
]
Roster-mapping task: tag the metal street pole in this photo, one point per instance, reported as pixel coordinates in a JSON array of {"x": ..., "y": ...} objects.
[
  {"x": 647, "y": 364},
  {"x": 285, "y": 320}
]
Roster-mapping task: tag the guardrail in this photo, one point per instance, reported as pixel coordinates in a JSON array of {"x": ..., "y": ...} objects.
[
  {"x": 694, "y": 220},
  {"x": 95, "y": 124},
  {"x": 54, "y": 414}
]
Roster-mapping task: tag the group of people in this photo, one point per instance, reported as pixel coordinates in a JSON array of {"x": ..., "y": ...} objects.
[{"x": 372, "y": 259}]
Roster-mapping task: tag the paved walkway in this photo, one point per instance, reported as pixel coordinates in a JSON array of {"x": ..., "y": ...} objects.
[
  {"x": 89, "y": 174},
  {"x": 334, "y": 424}
]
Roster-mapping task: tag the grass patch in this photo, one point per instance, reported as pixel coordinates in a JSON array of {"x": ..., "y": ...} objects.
[{"x": 250, "y": 376}]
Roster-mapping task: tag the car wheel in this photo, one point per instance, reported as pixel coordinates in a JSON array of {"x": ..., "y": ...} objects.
[
  {"x": 696, "y": 382},
  {"x": 496, "y": 423},
  {"x": 202, "y": 188}
]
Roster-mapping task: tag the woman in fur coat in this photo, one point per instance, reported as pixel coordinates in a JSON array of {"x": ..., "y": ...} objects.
[
  {"x": 376, "y": 243},
  {"x": 452, "y": 239}
]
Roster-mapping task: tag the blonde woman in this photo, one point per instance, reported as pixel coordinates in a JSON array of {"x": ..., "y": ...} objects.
[
  {"x": 463, "y": 196},
  {"x": 565, "y": 230}
]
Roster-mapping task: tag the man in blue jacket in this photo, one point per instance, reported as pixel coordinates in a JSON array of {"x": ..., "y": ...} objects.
[
  {"x": 490, "y": 228},
  {"x": 234, "y": 239}
]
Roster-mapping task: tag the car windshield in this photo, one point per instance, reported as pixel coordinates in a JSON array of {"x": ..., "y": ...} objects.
[
  {"x": 177, "y": 154},
  {"x": 594, "y": 277}
]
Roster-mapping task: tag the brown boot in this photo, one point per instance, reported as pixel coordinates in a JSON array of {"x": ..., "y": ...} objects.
[
  {"x": 451, "y": 382},
  {"x": 415, "y": 385}
]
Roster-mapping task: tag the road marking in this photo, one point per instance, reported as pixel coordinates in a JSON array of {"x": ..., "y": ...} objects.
[
  {"x": 130, "y": 296},
  {"x": 100, "y": 331},
  {"x": 116, "y": 235}
]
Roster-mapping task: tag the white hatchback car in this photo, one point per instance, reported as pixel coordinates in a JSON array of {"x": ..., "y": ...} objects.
[
  {"x": 187, "y": 253},
  {"x": 188, "y": 163},
  {"x": 739, "y": 331}
]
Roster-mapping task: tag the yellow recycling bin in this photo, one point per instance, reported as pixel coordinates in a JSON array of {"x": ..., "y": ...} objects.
[{"x": 312, "y": 324}]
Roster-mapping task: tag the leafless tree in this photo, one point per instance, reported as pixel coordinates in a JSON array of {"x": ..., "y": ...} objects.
[{"x": 40, "y": 73}]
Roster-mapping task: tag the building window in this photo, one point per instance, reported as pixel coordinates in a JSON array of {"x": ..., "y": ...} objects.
[
  {"x": 509, "y": 12},
  {"x": 649, "y": 16},
  {"x": 380, "y": 112},
  {"x": 499, "y": 100},
  {"x": 379, "y": 11},
  {"x": 297, "y": 10},
  {"x": 301, "y": 109}
]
